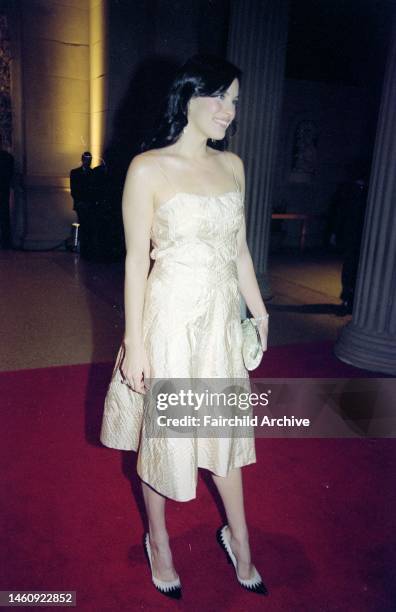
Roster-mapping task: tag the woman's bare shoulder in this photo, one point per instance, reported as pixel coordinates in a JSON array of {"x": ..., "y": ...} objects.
[
  {"x": 145, "y": 159},
  {"x": 229, "y": 157},
  {"x": 144, "y": 166},
  {"x": 235, "y": 160},
  {"x": 155, "y": 158}
]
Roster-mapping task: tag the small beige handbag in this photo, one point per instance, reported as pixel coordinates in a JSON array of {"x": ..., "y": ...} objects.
[{"x": 123, "y": 413}]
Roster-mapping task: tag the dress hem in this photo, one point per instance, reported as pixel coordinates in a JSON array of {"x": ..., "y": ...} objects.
[{"x": 204, "y": 467}]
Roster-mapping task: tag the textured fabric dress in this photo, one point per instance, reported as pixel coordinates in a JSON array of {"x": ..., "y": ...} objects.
[{"x": 191, "y": 329}]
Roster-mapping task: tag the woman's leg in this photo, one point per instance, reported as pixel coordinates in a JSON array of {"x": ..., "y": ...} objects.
[
  {"x": 159, "y": 539},
  {"x": 231, "y": 492}
]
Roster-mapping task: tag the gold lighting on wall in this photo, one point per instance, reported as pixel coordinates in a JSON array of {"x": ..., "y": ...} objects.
[{"x": 98, "y": 77}]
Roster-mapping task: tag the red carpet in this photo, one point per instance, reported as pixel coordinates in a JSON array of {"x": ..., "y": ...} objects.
[{"x": 321, "y": 512}]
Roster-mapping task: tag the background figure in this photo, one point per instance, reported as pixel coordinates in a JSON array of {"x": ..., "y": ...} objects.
[
  {"x": 6, "y": 174},
  {"x": 83, "y": 194},
  {"x": 354, "y": 212}
]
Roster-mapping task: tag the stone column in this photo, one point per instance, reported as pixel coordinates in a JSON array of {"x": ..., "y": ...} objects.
[
  {"x": 50, "y": 83},
  {"x": 369, "y": 340},
  {"x": 257, "y": 45}
]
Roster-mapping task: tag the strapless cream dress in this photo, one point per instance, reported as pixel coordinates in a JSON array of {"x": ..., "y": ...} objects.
[{"x": 191, "y": 328}]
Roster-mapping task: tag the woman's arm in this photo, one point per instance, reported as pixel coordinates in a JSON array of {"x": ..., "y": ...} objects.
[
  {"x": 247, "y": 280},
  {"x": 137, "y": 213}
]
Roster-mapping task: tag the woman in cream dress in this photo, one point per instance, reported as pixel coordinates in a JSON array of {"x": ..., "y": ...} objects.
[{"x": 183, "y": 319}]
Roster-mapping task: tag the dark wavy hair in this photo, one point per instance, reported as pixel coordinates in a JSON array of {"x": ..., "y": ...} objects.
[{"x": 201, "y": 75}]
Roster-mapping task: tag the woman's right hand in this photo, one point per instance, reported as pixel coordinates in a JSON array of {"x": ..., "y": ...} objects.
[{"x": 134, "y": 367}]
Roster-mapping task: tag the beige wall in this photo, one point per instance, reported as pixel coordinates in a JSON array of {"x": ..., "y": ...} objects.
[{"x": 58, "y": 74}]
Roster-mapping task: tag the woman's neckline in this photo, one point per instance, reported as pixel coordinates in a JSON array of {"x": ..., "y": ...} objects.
[{"x": 195, "y": 195}]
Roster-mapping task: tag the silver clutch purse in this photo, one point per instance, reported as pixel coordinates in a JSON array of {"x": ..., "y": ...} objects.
[{"x": 252, "y": 350}]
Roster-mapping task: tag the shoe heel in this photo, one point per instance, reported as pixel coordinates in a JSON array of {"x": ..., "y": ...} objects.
[
  {"x": 220, "y": 541},
  {"x": 171, "y": 588},
  {"x": 254, "y": 584}
]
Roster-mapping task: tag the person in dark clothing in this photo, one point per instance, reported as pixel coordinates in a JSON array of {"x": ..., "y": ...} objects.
[
  {"x": 355, "y": 209},
  {"x": 83, "y": 194},
  {"x": 6, "y": 174}
]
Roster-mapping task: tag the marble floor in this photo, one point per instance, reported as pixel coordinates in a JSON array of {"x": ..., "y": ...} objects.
[{"x": 57, "y": 309}]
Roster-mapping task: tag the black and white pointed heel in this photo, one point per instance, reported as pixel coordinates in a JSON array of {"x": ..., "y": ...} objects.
[
  {"x": 254, "y": 584},
  {"x": 170, "y": 588}
]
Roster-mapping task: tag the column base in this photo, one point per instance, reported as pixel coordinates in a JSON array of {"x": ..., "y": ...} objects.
[{"x": 366, "y": 350}]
